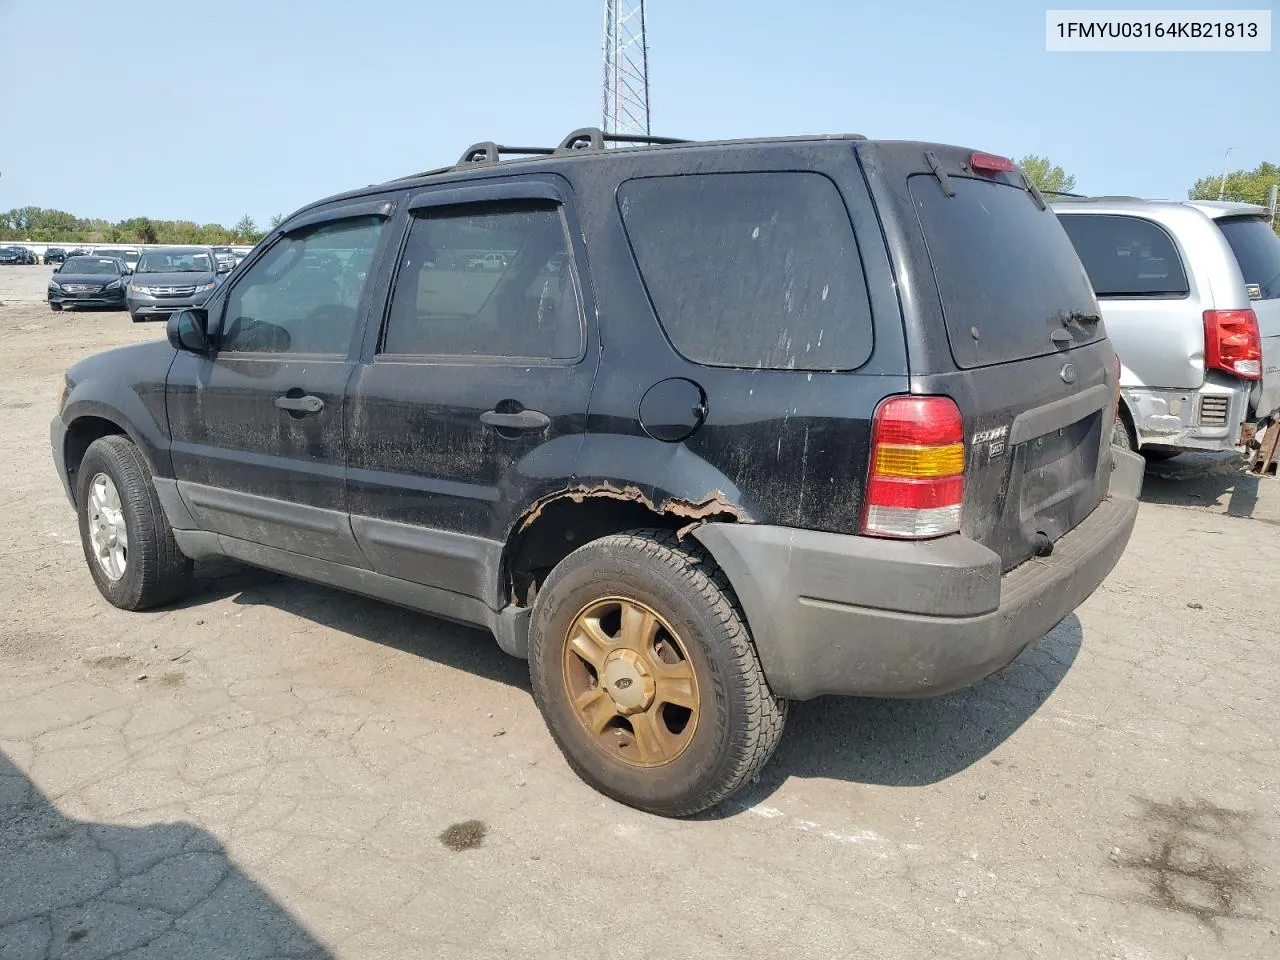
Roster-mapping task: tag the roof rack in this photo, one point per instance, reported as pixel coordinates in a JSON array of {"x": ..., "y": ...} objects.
[
  {"x": 593, "y": 138},
  {"x": 584, "y": 138},
  {"x": 486, "y": 151}
]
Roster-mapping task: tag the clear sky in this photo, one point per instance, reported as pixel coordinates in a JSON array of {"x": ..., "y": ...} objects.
[{"x": 209, "y": 110}]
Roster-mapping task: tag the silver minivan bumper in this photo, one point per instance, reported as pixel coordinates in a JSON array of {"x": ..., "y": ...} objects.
[{"x": 1205, "y": 419}]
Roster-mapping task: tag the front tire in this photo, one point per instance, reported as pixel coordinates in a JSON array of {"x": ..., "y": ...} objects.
[
  {"x": 646, "y": 675},
  {"x": 55, "y": 307},
  {"x": 128, "y": 543}
]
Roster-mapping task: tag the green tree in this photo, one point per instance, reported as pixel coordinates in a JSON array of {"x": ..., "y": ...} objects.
[
  {"x": 276, "y": 220},
  {"x": 1244, "y": 186},
  {"x": 139, "y": 229},
  {"x": 246, "y": 230},
  {"x": 1045, "y": 174}
]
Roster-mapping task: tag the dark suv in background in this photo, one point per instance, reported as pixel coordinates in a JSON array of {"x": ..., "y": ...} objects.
[
  {"x": 730, "y": 424},
  {"x": 55, "y": 255}
]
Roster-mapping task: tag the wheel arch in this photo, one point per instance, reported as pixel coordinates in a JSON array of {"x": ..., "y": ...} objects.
[
  {"x": 561, "y": 522},
  {"x": 89, "y": 420}
]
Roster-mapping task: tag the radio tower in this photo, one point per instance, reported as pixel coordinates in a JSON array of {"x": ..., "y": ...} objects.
[{"x": 625, "y": 101}]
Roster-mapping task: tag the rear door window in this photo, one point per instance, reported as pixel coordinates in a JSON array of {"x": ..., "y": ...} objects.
[
  {"x": 751, "y": 269},
  {"x": 1007, "y": 275},
  {"x": 1126, "y": 256},
  {"x": 1257, "y": 250}
]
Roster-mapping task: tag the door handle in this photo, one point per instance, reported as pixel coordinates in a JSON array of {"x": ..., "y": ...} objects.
[
  {"x": 524, "y": 420},
  {"x": 307, "y": 404}
]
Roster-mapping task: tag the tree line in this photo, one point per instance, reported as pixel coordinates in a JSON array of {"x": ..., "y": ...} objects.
[
  {"x": 40, "y": 225},
  {"x": 1242, "y": 186}
]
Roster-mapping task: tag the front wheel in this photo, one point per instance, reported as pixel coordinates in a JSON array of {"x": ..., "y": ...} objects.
[
  {"x": 128, "y": 543},
  {"x": 646, "y": 675},
  {"x": 55, "y": 307}
]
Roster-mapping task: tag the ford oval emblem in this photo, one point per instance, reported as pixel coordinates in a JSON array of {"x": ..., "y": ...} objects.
[{"x": 1068, "y": 373}]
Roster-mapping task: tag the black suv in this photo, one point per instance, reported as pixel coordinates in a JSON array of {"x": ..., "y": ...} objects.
[{"x": 728, "y": 424}]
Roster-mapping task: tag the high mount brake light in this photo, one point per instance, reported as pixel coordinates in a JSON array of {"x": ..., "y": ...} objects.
[
  {"x": 990, "y": 163},
  {"x": 915, "y": 486}
]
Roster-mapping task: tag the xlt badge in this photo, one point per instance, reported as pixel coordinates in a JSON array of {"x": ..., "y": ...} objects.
[{"x": 995, "y": 439}]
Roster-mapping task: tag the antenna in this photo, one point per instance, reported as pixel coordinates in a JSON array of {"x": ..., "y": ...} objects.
[{"x": 625, "y": 96}]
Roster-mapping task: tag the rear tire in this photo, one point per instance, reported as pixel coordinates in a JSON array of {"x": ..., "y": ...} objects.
[
  {"x": 117, "y": 501},
  {"x": 653, "y": 753}
]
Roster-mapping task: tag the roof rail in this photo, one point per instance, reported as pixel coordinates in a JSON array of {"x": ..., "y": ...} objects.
[
  {"x": 486, "y": 151},
  {"x": 593, "y": 138}
]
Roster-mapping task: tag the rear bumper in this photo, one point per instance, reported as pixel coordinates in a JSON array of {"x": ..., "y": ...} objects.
[
  {"x": 838, "y": 614},
  {"x": 1207, "y": 418}
]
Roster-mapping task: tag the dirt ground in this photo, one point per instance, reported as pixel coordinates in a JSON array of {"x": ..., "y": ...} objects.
[{"x": 275, "y": 768}]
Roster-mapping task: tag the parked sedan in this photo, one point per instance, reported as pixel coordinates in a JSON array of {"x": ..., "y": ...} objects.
[
  {"x": 168, "y": 280},
  {"x": 55, "y": 255},
  {"x": 16, "y": 255},
  {"x": 89, "y": 282}
]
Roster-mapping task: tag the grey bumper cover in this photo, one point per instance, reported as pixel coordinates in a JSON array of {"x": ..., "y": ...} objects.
[{"x": 839, "y": 614}]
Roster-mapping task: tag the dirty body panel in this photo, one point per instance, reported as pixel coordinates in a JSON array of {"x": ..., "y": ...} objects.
[{"x": 776, "y": 442}]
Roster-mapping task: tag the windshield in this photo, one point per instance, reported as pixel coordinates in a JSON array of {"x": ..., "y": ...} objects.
[
  {"x": 1257, "y": 250},
  {"x": 91, "y": 265},
  {"x": 177, "y": 262}
]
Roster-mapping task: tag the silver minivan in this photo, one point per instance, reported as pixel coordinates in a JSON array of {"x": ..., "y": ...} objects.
[{"x": 1190, "y": 295}]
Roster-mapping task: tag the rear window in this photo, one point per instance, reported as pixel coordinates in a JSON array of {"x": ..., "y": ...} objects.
[
  {"x": 751, "y": 269},
  {"x": 1126, "y": 256},
  {"x": 1257, "y": 250},
  {"x": 1007, "y": 275}
]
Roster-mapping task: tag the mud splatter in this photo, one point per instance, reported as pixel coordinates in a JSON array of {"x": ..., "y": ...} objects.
[{"x": 465, "y": 835}]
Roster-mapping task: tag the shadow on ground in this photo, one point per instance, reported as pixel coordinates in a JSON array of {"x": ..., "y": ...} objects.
[
  {"x": 909, "y": 743},
  {"x": 890, "y": 742},
  {"x": 90, "y": 891},
  {"x": 1203, "y": 480},
  {"x": 454, "y": 645}
]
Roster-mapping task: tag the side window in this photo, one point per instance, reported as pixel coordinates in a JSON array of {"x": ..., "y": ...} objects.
[
  {"x": 303, "y": 295},
  {"x": 1126, "y": 256},
  {"x": 487, "y": 280},
  {"x": 751, "y": 269}
]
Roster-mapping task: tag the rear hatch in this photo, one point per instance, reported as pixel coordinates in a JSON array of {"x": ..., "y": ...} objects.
[
  {"x": 1257, "y": 250},
  {"x": 1000, "y": 317}
]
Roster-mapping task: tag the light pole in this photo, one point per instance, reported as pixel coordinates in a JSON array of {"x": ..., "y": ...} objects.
[{"x": 1222, "y": 185}]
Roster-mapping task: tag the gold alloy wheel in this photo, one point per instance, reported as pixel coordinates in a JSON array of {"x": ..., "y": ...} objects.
[{"x": 630, "y": 681}]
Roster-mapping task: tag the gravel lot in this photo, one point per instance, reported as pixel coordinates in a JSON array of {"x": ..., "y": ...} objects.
[{"x": 280, "y": 769}]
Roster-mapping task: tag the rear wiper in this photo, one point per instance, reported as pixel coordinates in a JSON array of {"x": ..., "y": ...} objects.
[
  {"x": 1036, "y": 195},
  {"x": 1084, "y": 319}
]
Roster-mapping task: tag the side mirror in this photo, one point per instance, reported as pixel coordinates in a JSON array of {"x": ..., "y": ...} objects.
[{"x": 189, "y": 330}]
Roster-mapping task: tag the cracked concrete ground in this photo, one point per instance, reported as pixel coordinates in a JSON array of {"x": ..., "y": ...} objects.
[{"x": 275, "y": 769}]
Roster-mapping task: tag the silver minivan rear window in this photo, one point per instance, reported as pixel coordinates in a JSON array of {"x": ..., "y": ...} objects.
[{"x": 1257, "y": 250}]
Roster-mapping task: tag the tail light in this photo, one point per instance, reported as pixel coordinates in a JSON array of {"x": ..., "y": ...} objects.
[
  {"x": 1233, "y": 343},
  {"x": 915, "y": 485}
]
